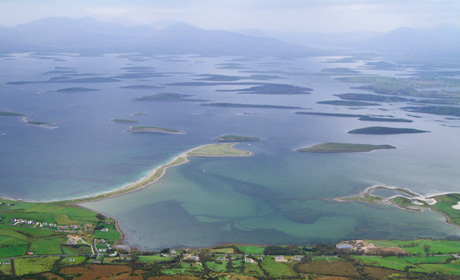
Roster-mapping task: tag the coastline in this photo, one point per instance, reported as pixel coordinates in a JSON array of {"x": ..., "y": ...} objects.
[
  {"x": 429, "y": 200},
  {"x": 151, "y": 178}
]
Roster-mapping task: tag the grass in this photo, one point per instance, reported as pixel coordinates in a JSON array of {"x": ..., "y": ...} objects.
[
  {"x": 277, "y": 269},
  {"x": 449, "y": 268},
  {"x": 251, "y": 250},
  {"x": 47, "y": 246},
  {"x": 217, "y": 267},
  {"x": 324, "y": 267},
  {"x": 395, "y": 263},
  {"x": 185, "y": 268},
  {"x": 6, "y": 269},
  {"x": 253, "y": 269},
  {"x": 77, "y": 250},
  {"x": 218, "y": 150},
  {"x": 77, "y": 260},
  {"x": 111, "y": 234},
  {"x": 444, "y": 205},
  {"x": 222, "y": 250},
  {"x": 13, "y": 251},
  {"x": 416, "y": 246},
  {"x": 33, "y": 265},
  {"x": 154, "y": 259},
  {"x": 421, "y": 260},
  {"x": 343, "y": 148}
]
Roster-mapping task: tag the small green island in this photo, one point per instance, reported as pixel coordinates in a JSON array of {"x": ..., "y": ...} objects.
[
  {"x": 141, "y": 87},
  {"x": 154, "y": 129},
  {"x": 10, "y": 114},
  {"x": 347, "y": 103},
  {"x": 167, "y": 96},
  {"x": 340, "y": 71},
  {"x": 271, "y": 89},
  {"x": 236, "y": 138},
  {"x": 38, "y": 123},
  {"x": 344, "y": 148},
  {"x": 254, "y": 106},
  {"x": 124, "y": 121},
  {"x": 380, "y": 130},
  {"x": 76, "y": 89}
]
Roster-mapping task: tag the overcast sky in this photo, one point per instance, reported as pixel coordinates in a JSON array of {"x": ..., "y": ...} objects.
[{"x": 273, "y": 15}]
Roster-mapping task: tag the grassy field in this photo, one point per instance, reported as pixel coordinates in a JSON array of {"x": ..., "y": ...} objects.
[
  {"x": 417, "y": 246},
  {"x": 185, "y": 268},
  {"x": 277, "y": 269},
  {"x": 323, "y": 267},
  {"x": 13, "y": 251},
  {"x": 154, "y": 259},
  {"x": 33, "y": 265},
  {"x": 217, "y": 266},
  {"x": 111, "y": 234},
  {"x": 251, "y": 250},
  {"x": 253, "y": 269},
  {"x": 395, "y": 263},
  {"x": 76, "y": 260},
  {"x": 218, "y": 150},
  {"x": 47, "y": 246},
  {"x": 444, "y": 204}
]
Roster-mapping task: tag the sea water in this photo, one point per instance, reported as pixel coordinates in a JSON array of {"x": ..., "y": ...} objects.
[{"x": 276, "y": 196}]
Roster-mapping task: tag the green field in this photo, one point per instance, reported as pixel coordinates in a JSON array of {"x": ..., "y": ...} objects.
[
  {"x": 395, "y": 263},
  {"x": 444, "y": 204},
  {"x": 77, "y": 250},
  {"x": 33, "y": 265},
  {"x": 76, "y": 260},
  {"x": 13, "y": 251},
  {"x": 251, "y": 250},
  {"x": 218, "y": 150},
  {"x": 111, "y": 234},
  {"x": 417, "y": 246},
  {"x": 46, "y": 246},
  {"x": 253, "y": 269},
  {"x": 154, "y": 259},
  {"x": 277, "y": 269},
  {"x": 217, "y": 266}
]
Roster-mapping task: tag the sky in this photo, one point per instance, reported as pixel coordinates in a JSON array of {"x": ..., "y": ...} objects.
[{"x": 270, "y": 15}]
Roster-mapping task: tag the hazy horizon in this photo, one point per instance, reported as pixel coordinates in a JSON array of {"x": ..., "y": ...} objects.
[{"x": 287, "y": 16}]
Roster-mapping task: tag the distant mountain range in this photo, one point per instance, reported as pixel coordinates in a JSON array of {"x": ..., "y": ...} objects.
[
  {"x": 435, "y": 41},
  {"x": 90, "y": 36},
  {"x": 87, "y": 35}
]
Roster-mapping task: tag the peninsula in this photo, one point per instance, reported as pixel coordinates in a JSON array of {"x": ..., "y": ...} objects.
[{"x": 211, "y": 150}]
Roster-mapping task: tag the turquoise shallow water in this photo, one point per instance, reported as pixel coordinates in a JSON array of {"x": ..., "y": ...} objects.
[{"x": 276, "y": 196}]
